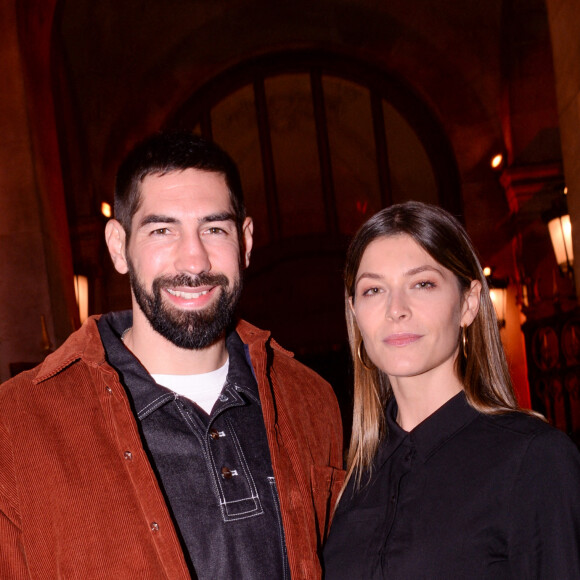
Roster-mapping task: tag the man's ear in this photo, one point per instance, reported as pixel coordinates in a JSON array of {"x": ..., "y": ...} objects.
[
  {"x": 248, "y": 239},
  {"x": 471, "y": 301},
  {"x": 116, "y": 238}
]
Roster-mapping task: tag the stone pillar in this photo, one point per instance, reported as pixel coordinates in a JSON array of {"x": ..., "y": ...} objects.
[{"x": 37, "y": 304}]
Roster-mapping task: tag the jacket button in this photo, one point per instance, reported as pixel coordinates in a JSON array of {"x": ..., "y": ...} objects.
[
  {"x": 214, "y": 434},
  {"x": 154, "y": 527},
  {"x": 128, "y": 455}
]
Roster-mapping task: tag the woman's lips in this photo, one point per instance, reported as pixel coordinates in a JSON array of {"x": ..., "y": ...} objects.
[{"x": 401, "y": 339}]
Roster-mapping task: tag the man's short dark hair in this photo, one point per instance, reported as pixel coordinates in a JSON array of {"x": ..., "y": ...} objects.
[{"x": 169, "y": 151}]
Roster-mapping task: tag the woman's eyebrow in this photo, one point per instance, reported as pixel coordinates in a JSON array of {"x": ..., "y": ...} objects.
[
  {"x": 369, "y": 275},
  {"x": 420, "y": 269},
  {"x": 408, "y": 273}
]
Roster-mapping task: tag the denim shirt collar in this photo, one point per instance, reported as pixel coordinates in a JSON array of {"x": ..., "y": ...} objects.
[{"x": 146, "y": 394}]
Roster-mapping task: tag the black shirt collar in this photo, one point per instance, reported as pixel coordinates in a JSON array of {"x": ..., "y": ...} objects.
[{"x": 432, "y": 433}]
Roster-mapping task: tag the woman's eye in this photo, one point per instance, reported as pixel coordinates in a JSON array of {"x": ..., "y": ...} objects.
[
  {"x": 371, "y": 291},
  {"x": 425, "y": 284}
]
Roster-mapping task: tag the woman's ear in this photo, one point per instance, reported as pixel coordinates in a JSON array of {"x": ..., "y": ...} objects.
[
  {"x": 351, "y": 304},
  {"x": 471, "y": 300},
  {"x": 116, "y": 238}
]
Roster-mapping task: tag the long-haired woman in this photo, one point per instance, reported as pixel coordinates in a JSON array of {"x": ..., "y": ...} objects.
[{"x": 447, "y": 477}]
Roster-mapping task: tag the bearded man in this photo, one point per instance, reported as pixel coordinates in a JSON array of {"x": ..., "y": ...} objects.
[{"x": 172, "y": 440}]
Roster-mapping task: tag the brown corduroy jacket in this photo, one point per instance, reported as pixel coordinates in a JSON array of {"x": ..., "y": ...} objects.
[{"x": 78, "y": 496}]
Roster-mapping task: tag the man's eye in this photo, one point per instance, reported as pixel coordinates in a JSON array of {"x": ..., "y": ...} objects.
[
  {"x": 215, "y": 230},
  {"x": 160, "y": 232}
]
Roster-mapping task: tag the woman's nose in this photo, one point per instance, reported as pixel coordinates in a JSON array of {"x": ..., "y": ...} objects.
[{"x": 397, "y": 305}]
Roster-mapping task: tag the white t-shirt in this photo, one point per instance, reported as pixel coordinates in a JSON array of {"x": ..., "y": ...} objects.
[{"x": 203, "y": 389}]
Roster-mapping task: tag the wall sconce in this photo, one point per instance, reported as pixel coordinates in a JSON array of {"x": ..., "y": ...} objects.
[
  {"x": 560, "y": 229},
  {"x": 496, "y": 162},
  {"x": 561, "y": 236},
  {"x": 498, "y": 295},
  {"x": 82, "y": 296},
  {"x": 499, "y": 298}
]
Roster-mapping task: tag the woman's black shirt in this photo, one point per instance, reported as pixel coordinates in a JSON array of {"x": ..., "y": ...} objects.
[{"x": 462, "y": 496}]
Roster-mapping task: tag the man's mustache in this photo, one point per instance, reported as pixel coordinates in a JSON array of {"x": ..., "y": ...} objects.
[{"x": 186, "y": 280}]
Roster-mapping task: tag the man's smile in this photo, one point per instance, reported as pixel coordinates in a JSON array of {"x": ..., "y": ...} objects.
[
  {"x": 186, "y": 295},
  {"x": 196, "y": 297}
]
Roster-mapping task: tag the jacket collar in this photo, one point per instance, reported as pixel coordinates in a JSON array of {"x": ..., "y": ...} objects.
[
  {"x": 85, "y": 344},
  {"x": 253, "y": 336}
]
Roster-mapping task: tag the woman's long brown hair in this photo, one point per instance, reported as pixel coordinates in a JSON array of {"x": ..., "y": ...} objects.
[{"x": 483, "y": 372}]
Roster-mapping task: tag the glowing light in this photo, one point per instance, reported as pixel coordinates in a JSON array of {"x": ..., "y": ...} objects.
[
  {"x": 498, "y": 297},
  {"x": 82, "y": 296},
  {"x": 487, "y": 271},
  {"x": 497, "y": 161},
  {"x": 561, "y": 236},
  {"x": 106, "y": 209}
]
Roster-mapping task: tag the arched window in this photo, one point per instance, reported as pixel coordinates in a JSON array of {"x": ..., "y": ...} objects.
[{"x": 322, "y": 142}]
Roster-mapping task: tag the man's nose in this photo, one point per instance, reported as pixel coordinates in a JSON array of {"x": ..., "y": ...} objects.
[{"x": 192, "y": 255}]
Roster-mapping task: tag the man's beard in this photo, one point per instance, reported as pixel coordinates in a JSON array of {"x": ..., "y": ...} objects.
[{"x": 194, "y": 330}]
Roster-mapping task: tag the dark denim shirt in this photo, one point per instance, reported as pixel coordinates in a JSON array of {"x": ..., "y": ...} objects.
[{"x": 215, "y": 471}]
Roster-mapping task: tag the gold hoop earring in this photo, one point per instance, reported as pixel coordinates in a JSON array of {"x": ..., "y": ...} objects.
[
  {"x": 464, "y": 340},
  {"x": 360, "y": 357}
]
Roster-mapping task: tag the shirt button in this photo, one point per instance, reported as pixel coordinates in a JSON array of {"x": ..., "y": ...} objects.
[
  {"x": 128, "y": 455},
  {"x": 109, "y": 390},
  {"x": 154, "y": 527},
  {"x": 214, "y": 434},
  {"x": 226, "y": 473}
]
